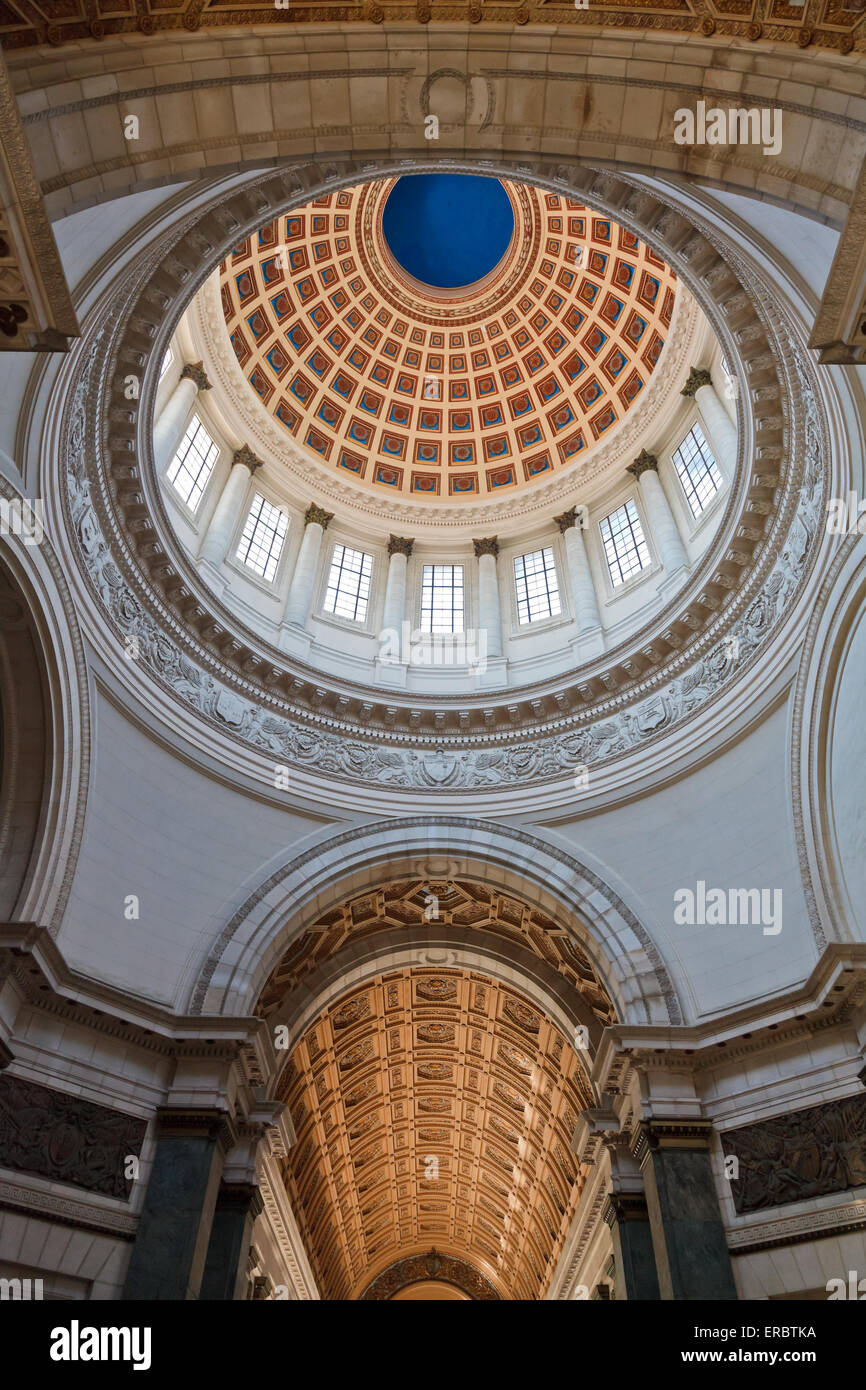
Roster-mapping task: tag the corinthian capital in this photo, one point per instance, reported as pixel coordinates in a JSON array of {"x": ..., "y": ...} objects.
[
  {"x": 489, "y": 545},
  {"x": 698, "y": 377},
  {"x": 194, "y": 371},
  {"x": 400, "y": 545},
  {"x": 643, "y": 461},
  {"x": 566, "y": 520},
  {"x": 246, "y": 456},
  {"x": 317, "y": 514}
]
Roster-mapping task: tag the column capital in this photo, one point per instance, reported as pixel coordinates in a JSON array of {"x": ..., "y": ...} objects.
[
  {"x": 573, "y": 517},
  {"x": 194, "y": 371},
  {"x": 670, "y": 1134},
  {"x": 244, "y": 1197},
  {"x": 624, "y": 1206},
  {"x": 246, "y": 456},
  {"x": 698, "y": 377},
  {"x": 644, "y": 461},
  {"x": 318, "y": 515},
  {"x": 489, "y": 545},
  {"x": 190, "y": 1123},
  {"x": 400, "y": 545}
]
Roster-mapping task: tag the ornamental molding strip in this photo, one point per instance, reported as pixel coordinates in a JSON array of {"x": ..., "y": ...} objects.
[{"x": 736, "y": 601}]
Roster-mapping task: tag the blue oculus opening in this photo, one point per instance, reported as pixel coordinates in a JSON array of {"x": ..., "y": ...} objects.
[{"x": 447, "y": 230}]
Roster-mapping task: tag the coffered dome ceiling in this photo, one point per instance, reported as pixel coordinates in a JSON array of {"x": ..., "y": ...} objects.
[
  {"x": 465, "y": 392},
  {"x": 434, "y": 1108}
]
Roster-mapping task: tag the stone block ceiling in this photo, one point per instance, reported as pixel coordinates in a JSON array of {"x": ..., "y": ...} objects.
[
  {"x": 433, "y": 1108},
  {"x": 448, "y": 394},
  {"x": 829, "y": 23}
]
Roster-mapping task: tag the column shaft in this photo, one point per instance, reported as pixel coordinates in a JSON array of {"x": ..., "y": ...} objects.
[
  {"x": 662, "y": 523},
  {"x": 168, "y": 1257},
  {"x": 489, "y": 615},
  {"x": 225, "y": 514},
  {"x": 394, "y": 610},
  {"x": 719, "y": 429},
  {"x": 304, "y": 578},
  {"x": 225, "y": 1273},
  {"x": 171, "y": 424},
  {"x": 580, "y": 577},
  {"x": 691, "y": 1252},
  {"x": 636, "y": 1277}
]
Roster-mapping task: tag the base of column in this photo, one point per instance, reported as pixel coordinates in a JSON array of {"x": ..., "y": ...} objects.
[
  {"x": 494, "y": 675},
  {"x": 589, "y": 644},
  {"x": 672, "y": 583},
  {"x": 212, "y": 575},
  {"x": 294, "y": 640},
  {"x": 393, "y": 673}
]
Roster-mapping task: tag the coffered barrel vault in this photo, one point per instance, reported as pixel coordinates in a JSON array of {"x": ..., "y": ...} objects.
[{"x": 434, "y": 1108}]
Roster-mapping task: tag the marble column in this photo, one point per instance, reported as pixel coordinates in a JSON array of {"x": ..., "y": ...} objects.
[
  {"x": 628, "y": 1218},
  {"x": 225, "y": 1271},
  {"x": 399, "y": 550},
  {"x": 168, "y": 1257},
  {"x": 306, "y": 567},
  {"x": 691, "y": 1253},
  {"x": 171, "y": 424},
  {"x": 489, "y": 616},
  {"x": 225, "y": 513},
  {"x": 658, "y": 512},
  {"x": 719, "y": 430},
  {"x": 583, "y": 593}
]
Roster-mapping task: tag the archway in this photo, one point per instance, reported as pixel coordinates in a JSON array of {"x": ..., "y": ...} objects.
[{"x": 618, "y": 947}]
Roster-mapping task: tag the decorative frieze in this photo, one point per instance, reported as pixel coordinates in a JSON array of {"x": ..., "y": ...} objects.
[
  {"x": 800, "y": 1155},
  {"x": 422, "y": 1268},
  {"x": 67, "y": 1139}
]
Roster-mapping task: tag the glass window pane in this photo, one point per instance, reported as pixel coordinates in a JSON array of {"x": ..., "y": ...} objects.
[
  {"x": 537, "y": 586},
  {"x": 697, "y": 470},
  {"x": 348, "y": 591},
  {"x": 442, "y": 598},
  {"x": 263, "y": 536},
  {"x": 193, "y": 463},
  {"x": 624, "y": 543}
]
